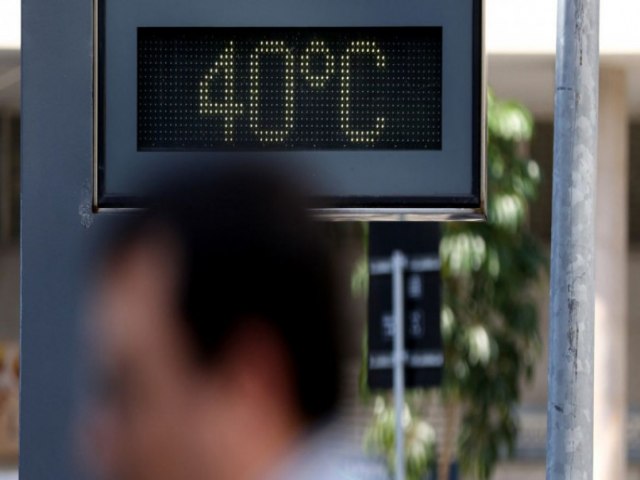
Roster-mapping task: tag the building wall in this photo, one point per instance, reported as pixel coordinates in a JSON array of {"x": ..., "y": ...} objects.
[
  {"x": 9, "y": 292},
  {"x": 542, "y": 151},
  {"x": 535, "y": 394},
  {"x": 530, "y": 459},
  {"x": 9, "y": 226}
]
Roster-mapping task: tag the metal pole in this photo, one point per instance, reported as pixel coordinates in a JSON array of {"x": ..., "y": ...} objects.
[
  {"x": 397, "y": 265},
  {"x": 570, "y": 405}
]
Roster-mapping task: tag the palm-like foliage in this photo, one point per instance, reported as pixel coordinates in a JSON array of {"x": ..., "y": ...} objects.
[{"x": 489, "y": 320}]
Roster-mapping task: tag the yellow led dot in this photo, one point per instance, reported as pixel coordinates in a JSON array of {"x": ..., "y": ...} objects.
[
  {"x": 278, "y": 48},
  {"x": 357, "y": 47},
  {"x": 229, "y": 109}
]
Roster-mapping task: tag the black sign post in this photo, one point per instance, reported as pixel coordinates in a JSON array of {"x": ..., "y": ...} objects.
[{"x": 405, "y": 346}]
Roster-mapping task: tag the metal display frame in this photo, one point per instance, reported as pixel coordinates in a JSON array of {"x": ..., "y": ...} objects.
[{"x": 344, "y": 208}]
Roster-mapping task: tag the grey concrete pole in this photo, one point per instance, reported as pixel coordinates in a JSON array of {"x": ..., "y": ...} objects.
[{"x": 571, "y": 343}]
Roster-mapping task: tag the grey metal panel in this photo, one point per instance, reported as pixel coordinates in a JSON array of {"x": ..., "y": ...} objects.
[
  {"x": 57, "y": 226},
  {"x": 445, "y": 174}
]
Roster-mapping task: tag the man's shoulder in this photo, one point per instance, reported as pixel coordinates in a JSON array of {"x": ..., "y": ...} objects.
[
  {"x": 359, "y": 467},
  {"x": 332, "y": 457}
]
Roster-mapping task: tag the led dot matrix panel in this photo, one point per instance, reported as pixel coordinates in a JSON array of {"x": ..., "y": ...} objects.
[
  {"x": 379, "y": 103},
  {"x": 289, "y": 88}
]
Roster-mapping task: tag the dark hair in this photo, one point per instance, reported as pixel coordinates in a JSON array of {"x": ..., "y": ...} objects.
[{"x": 250, "y": 251}]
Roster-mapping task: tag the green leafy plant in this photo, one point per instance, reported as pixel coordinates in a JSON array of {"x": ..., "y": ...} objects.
[
  {"x": 489, "y": 317},
  {"x": 489, "y": 320},
  {"x": 420, "y": 439}
]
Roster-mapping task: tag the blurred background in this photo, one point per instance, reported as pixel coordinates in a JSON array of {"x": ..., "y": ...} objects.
[
  {"x": 9, "y": 234},
  {"x": 489, "y": 418}
]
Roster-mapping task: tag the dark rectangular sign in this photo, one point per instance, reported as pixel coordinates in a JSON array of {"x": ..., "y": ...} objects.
[
  {"x": 379, "y": 103},
  {"x": 419, "y": 242},
  {"x": 289, "y": 88}
]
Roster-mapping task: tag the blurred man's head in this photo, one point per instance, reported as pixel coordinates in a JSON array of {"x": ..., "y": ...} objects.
[{"x": 216, "y": 331}]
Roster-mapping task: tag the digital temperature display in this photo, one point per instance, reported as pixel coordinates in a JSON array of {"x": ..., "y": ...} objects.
[{"x": 289, "y": 88}]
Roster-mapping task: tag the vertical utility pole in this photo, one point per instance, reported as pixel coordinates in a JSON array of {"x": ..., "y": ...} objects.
[
  {"x": 397, "y": 278},
  {"x": 570, "y": 407}
]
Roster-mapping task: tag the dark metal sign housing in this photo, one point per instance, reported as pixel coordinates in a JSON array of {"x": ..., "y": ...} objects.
[{"x": 382, "y": 103}]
